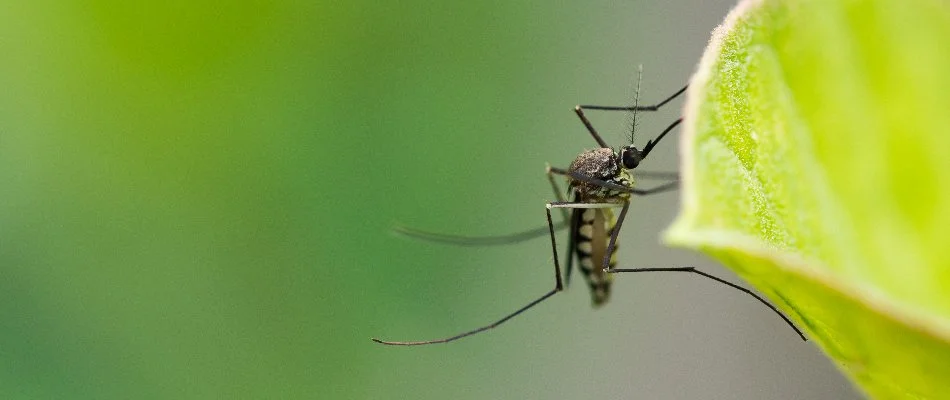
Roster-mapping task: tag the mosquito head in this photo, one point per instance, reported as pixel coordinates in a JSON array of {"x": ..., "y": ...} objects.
[{"x": 630, "y": 157}]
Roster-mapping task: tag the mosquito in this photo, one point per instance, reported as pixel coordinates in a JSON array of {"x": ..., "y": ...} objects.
[{"x": 600, "y": 180}]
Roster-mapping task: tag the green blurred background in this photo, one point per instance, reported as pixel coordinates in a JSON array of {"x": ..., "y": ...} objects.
[{"x": 197, "y": 196}]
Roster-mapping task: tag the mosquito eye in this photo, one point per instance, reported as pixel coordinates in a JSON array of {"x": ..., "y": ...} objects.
[{"x": 630, "y": 157}]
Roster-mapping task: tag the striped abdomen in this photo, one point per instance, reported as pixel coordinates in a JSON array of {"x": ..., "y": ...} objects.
[{"x": 591, "y": 236}]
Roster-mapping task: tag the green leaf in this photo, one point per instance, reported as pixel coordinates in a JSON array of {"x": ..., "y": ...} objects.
[{"x": 816, "y": 156}]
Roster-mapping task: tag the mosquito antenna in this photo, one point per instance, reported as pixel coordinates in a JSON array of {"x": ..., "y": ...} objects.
[{"x": 636, "y": 102}]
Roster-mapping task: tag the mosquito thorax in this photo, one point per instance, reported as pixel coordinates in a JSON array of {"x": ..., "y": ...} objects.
[{"x": 603, "y": 164}]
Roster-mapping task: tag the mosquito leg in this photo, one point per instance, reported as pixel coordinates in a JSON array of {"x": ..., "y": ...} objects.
[
  {"x": 656, "y": 175},
  {"x": 568, "y": 219},
  {"x": 558, "y": 194},
  {"x": 613, "y": 186},
  {"x": 576, "y": 220},
  {"x": 579, "y": 110},
  {"x": 571, "y": 246},
  {"x": 613, "y": 236},
  {"x": 659, "y": 189},
  {"x": 590, "y": 128},
  {"x": 511, "y": 238},
  {"x": 720, "y": 280},
  {"x": 474, "y": 331},
  {"x": 492, "y": 240},
  {"x": 558, "y": 286},
  {"x": 654, "y": 107},
  {"x": 466, "y": 241}
]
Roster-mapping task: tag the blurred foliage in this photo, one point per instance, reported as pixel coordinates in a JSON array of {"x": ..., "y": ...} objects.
[{"x": 817, "y": 168}]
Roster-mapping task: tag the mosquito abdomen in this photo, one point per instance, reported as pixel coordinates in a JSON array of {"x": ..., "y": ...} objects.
[{"x": 591, "y": 237}]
